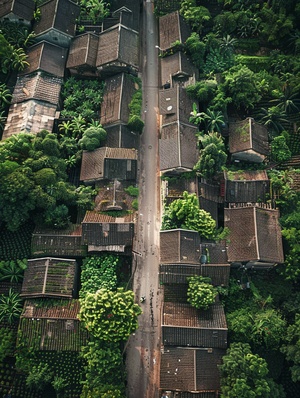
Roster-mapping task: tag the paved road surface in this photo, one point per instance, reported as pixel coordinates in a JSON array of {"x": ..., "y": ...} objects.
[{"x": 143, "y": 349}]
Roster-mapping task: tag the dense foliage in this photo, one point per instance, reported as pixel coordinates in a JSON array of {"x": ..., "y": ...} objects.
[{"x": 201, "y": 294}]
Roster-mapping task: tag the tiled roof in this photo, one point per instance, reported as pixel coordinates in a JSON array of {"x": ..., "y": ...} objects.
[
  {"x": 175, "y": 66},
  {"x": 119, "y": 136},
  {"x": 83, "y": 51},
  {"x": 255, "y": 234},
  {"x": 190, "y": 370},
  {"x": 175, "y": 104},
  {"x": 29, "y": 116},
  {"x": 178, "y": 147},
  {"x": 172, "y": 28},
  {"x": 23, "y": 9},
  {"x": 63, "y": 309},
  {"x": 94, "y": 217},
  {"x": 46, "y": 57},
  {"x": 38, "y": 87},
  {"x": 49, "y": 277}
]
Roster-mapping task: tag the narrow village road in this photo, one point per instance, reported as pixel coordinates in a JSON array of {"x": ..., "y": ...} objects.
[{"x": 143, "y": 349}]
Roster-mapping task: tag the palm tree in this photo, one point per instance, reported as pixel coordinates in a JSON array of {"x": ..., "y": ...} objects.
[
  {"x": 288, "y": 101},
  {"x": 214, "y": 120},
  {"x": 227, "y": 44},
  {"x": 10, "y": 307},
  {"x": 273, "y": 118},
  {"x": 78, "y": 125},
  {"x": 65, "y": 127},
  {"x": 5, "y": 95}
]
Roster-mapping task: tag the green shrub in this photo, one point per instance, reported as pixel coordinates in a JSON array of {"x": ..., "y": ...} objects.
[
  {"x": 132, "y": 191},
  {"x": 201, "y": 293}
]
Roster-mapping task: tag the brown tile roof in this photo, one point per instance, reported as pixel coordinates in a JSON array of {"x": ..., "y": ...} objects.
[
  {"x": 58, "y": 14},
  {"x": 37, "y": 87},
  {"x": 177, "y": 66},
  {"x": 23, "y": 9},
  {"x": 295, "y": 179},
  {"x": 190, "y": 370},
  {"x": 94, "y": 217},
  {"x": 118, "y": 92},
  {"x": 29, "y": 116},
  {"x": 247, "y": 135},
  {"x": 178, "y": 147},
  {"x": 46, "y": 57},
  {"x": 175, "y": 104},
  {"x": 172, "y": 28},
  {"x": 83, "y": 53},
  {"x": 117, "y": 50},
  {"x": 93, "y": 165},
  {"x": 64, "y": 243},
  {"x": 119, "y": 136},
  {"x": 179, "y": 246},
  {"x": 49, "y": 277},
  {"x": 255, "y": 234},
  {"x": 45, "y": 308},
  {"x": 216, "y": 252}
]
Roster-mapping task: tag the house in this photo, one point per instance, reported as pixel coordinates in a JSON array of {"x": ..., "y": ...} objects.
[
  {"x": 46, "y": 57},
  {"x": 18, "y": 11},
  {"x": 118, "y": 92},
  {"x": 245, "y": 186},
  {"x": 128, "y": 12},
  {"x": 101, "y": 232},
  {"x": 49, "y": 277},
  {"x": 178, "y": 147},
  {"x": 52, "y": 326},
  {"x": 248, "y": 141},
  {"x": 255, "y": 235},
  {"x": 107, "y": 164},
  {"x": 177, "y": 68},
  {"x": 58, "y": 243},
  {"x": 117, "y": 51},
  {"x": 187, "y": 372},
  {"x": 172, "y": 28},
  {"x": 175, "y": 104},
  {"x": 184, "y": 325},
  {"x": 83, "y": 54},
  {"x": 119, "y": 136},
  {"x": 57, "y": 22},
  {"x": 30, "y": 117},
  {"x": 179, "y": 246},
  {"x": 33, "y": 105}
]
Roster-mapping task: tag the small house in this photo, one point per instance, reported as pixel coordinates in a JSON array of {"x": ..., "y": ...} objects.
[
  {"x": 255, "y": 236},
  {"x": 101, "y": 232},
  {"x": 58, "y": 243},
  {"x": 248, "y": 141},
  {"x": 175, "y": 104},
  {"x": 30, "y": 116},
  {"x": 83, "y": 54},
  {"x": 52, "y": 326},
  {"x": 46, "y": 57},
  {"x": 18, "y": 11},
  {"x": 107, "y": 164},
  {"x": 187, "y": 372},
  {"x": 120, "y": 136},
  {"x": 177, "y": 69},
  {"x": 118, "y": 92},
  {"x": 172, "y": 28},
  {"x": 117, "y": 51},
  {"x": 49, "y": 277},
  {"x": 245, "y": 186},
  {"x": 178, "y": 147},
  {"x": 184, "y": 325},
  {"x": 57, "y": 22}
]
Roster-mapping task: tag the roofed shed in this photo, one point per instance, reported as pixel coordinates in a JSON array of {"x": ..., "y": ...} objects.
[
  {"x": 46, "y": 57},
  {"x": 57, "y": 23},
  {"x": 172, "y": 28},
  {"x": 108, "y": 163},
  {"x": 255, "y": 235},
  {"x": 82, "y": 55},
  {"x": 19, "y": 11},
  {"x": 30, "y": 116},
  {"x": 62, "y": 243},
  {"x": 246, "y": 186},
  {"x": 179, "y": 246},
  {"x": 184, "y": 325},
  {"x": 38, "y": 87},
  {"x": 248, "y": 141},
  {"x": 101, "y": 232},
  {"x": 49, "y": 277},
  {"x": 178, "y": 147},
  {"x": 186, "y": 371},
  {"x": 118, "y": 92},
  {"x": 175, "y": 104},
  {"x": 177, "y": 68},
  {"x": 118, "y": 51},
  {"x": 119, "y": 136},
  {"x": 52, "y": 326}
]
